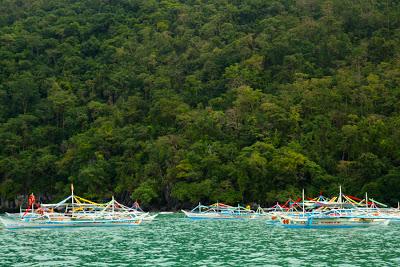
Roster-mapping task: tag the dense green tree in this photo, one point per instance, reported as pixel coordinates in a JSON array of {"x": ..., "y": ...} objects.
[{"x": 174, "y": 102}]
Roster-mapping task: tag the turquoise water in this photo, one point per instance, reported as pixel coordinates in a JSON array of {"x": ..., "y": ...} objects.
[{"x": 172, "y": 240}]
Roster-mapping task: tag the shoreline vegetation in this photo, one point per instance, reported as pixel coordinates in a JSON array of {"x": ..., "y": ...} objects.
[{"x": 178, "y": 102}]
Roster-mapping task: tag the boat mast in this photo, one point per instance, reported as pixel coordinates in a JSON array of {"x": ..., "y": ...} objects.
[
  {"x": 113, "y": 205},
  {"x": 33, "y": 203},
  {"x": 366, "y": 199},
  {"x": 72, "y": 197},
  {"x": 340, "y": 196},
  {"x": 303, "y": 201}
]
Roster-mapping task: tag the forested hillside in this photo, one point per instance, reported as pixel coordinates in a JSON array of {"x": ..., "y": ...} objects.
[{"x": 174, "y": 102}]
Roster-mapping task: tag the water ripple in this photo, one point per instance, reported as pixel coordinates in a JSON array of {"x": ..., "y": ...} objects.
[{"x": 175, "y": 241}]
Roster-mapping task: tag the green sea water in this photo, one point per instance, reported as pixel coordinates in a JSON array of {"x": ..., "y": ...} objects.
[{"x": 173, "y": 240}]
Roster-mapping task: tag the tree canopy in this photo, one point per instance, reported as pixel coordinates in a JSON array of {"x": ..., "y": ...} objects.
[{"x": 173, "y": 102}]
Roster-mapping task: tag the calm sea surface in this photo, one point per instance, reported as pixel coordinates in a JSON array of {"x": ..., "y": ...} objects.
[{"x": 172, "y": 240}]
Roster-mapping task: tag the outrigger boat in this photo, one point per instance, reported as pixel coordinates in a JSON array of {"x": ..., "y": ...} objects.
[
  {"x": 73, "y": 211},
  {"x": 340, "y": 212},
  {"x": 271, "y": 214},
  {"x": 139, "y": 211},
  {"x": 331, "y": 219},
  {"x": 220, "y": 211}
]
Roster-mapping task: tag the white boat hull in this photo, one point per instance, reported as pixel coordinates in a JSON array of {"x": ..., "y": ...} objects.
[
  {"x": 218, "y": 216},
  {"x": 15, "y": 223},
  {"x": 326, "y": 222}
]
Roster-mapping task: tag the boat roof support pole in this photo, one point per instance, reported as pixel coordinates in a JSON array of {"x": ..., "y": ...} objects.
[
  {"x": 303, "y": 202},
  {"x": 72, "y": 197}
]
